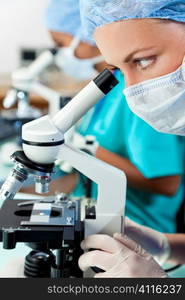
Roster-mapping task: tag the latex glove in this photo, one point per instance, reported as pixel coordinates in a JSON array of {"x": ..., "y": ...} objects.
[
  {"x": 119, "y": 257},
  {"x": 155, "y": 242},
  {"x": 88, "y": 143},
  {"x": 85, "y": 143},
  {"x": 74, "y": 139}
]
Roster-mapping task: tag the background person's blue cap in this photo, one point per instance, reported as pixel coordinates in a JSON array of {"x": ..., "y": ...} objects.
[
  {"x": 64, "y": 16},
  {"x": 96, "y": 13}
]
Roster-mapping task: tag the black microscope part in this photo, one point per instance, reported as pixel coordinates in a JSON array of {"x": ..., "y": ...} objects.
[
  {"x": 43, "y": 144},
  {"x": 64, "y": 101},
  {"x": 54, "y": 51},
  {"x": 96, "y": 269},
  {"x": 106, "y": 81},
  {"x": 20, "y": 157},
  {"x": 38, "y": 264}
]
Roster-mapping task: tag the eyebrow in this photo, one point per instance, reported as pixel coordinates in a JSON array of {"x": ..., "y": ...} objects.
[{"x": 130, "y": 56}]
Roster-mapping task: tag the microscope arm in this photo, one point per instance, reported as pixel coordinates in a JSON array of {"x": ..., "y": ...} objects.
[{"x": 111, "y": 190}]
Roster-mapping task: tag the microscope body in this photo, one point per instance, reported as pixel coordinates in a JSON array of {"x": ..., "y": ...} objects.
[{"x": 43, "y": 142}]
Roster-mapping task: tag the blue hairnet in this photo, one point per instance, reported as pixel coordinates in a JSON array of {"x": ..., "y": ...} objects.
[
  {"x": 64, "y": 16},
  {"x": 95, "y": 13}
]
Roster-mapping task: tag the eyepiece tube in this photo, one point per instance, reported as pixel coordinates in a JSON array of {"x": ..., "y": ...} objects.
[{"x": 84, "y": 100}]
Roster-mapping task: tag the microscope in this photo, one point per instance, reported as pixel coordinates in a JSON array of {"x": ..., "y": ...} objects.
[
  {"x": 25, "y": 80},
  {"x": 54, "y": 227}
]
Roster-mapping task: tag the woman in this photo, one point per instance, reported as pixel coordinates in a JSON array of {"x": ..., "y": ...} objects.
[{"x": 143, "y": 38}]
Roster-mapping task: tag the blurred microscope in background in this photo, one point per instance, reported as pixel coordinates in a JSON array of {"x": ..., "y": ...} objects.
[{"x": 17, "y": 104}]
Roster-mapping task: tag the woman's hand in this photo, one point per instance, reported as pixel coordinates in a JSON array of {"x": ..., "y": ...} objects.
[
  {"x": 119, "y": 257},
  {"x": 155, "y": 242}
]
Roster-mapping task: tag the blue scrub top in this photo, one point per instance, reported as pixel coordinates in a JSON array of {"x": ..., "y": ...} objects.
[{"x": 155, "y": 154}]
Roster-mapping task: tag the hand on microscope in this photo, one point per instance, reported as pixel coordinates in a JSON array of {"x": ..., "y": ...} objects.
[{"x": 128, "y": 255}]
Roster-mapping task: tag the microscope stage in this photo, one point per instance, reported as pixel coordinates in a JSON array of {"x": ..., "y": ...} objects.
[{"x": 21, "y": 223}]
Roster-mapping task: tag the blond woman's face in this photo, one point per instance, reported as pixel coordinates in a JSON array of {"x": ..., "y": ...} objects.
[{"x": 142, "y": 49}]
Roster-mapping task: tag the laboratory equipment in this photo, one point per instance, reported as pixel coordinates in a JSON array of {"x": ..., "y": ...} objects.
[
  {"x": 26, "y": 80},
  {"x": 43, "y": 142}
]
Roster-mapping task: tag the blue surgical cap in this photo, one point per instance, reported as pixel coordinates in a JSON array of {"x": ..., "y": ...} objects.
[
  {"x": 64, "y": 16},
  {"x": 95, "y": 13}
]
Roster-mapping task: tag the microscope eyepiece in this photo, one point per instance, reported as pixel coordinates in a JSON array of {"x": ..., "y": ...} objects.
[
  {"x": 106, "y": 81},
  {"x": 54, "y": 51}
]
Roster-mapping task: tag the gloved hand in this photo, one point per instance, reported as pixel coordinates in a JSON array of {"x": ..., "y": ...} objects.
[
  {"x": 119, "y": 257},
  {"x": 87, "y": 143},
  {"x": 156, "y": 243}
]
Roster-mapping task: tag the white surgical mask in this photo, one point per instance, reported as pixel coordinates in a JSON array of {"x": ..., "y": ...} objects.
[
  {"x": 161, "y": 101},
  {"x": 79, "y": 69}
]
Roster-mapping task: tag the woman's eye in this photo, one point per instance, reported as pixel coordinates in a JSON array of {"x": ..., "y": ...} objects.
[{"x": 144, "y": 63}]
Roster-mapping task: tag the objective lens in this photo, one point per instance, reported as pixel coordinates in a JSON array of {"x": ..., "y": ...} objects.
[
  {"x": 42, "y": 184},
  {"x": 12, "y": 184}
]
